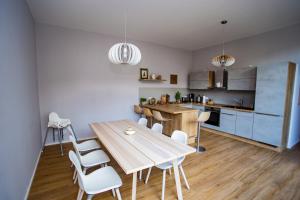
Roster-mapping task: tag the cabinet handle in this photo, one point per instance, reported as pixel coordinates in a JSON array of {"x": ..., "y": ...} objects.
[
  {"x": 227, "y": 114},
  {"x": 267, "y": 114}
]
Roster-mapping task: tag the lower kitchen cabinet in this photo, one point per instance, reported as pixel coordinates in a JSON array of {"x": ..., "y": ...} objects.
[
  {"x": 244, "y": 124},
  {"x": 267, "y": 128},
  {"x": 227, "y": 121}
]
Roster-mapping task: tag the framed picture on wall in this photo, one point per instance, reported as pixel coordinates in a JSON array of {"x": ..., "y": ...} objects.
[{"x": 144, "y": 74}]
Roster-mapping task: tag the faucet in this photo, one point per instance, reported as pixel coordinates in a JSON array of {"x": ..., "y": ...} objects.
[{"x": 239, "y": 101}]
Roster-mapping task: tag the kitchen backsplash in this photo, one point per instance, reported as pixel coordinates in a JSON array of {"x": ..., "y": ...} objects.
[
  {"x": 228, "y": 97},
  {"x": 157, "y": 92},
  {"x": 218, "y": 96}
]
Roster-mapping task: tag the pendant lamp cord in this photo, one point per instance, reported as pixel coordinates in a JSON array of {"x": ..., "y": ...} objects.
[
  {"x": 125, "y": 25},
  {"x": 223, "y": 30}
]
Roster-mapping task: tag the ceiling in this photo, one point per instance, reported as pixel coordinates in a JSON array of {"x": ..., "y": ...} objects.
[{"x": 184, "y": 24}]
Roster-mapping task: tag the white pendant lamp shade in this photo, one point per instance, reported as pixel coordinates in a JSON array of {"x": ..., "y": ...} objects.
[
  {"x": 124, "y": 53},
  {"x": 223, "y": 60}
]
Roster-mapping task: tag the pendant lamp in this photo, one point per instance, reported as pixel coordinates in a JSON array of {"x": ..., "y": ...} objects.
[
  {"x": 124, "y": 53},
  {"x": 223, "y": 60}
]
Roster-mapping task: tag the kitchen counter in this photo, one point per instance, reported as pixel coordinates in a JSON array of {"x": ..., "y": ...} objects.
[
  {"x": 184, "y": 119},
  {"x": 237, "y": 108},
  {"x": 170, "y": 108}
]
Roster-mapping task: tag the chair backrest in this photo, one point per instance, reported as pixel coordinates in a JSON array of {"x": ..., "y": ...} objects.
[
  {"x": 76, "y": 163},
  {"x": 53, "y": 117},
  {"x": 147, "y": 112},
  {"x": 143, "y": 121},
  {"x": 179, "y": 136},
  {"x": 72, "y": 139},
  {"x": 138, "y": 109},
  {"x": 157, "y": 128},
  {"x": 203, "y": 117},
  {"x": 157, "y": 115}
]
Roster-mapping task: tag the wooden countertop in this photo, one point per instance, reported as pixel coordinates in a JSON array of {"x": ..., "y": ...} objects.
[{"x": 170, "y": 108}]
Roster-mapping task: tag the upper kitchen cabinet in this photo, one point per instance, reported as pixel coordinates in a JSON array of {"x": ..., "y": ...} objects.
[
  {"x": 201, "y": 80},
  {"x": 271, "y": 89},
  {"x": 242, "y": 79}
]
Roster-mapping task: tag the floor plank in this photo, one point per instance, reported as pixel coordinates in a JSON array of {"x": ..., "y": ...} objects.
[{"x": 229, "y": 169}]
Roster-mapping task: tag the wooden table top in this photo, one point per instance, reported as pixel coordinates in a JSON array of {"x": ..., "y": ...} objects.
[
  {"x": 141, "y": 150},
  {"x": 170, "y": 108}
]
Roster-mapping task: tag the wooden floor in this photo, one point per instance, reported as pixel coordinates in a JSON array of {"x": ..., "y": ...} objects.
[{"x": 229, "y": 169}]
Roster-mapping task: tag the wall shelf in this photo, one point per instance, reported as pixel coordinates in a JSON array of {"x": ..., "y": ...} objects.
[{"x": 152, "y": 80}]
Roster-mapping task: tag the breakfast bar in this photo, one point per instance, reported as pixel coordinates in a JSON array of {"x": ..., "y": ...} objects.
[{"x": 181, "y": 118}]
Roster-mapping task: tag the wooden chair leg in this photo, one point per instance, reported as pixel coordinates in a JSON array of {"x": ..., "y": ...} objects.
[
  {"x": 113, "y": 192},
  {"x": 118, "y": 194},
  {"x": 148, "y": 174},
  {"x": 163, "y": 185},
  {"x": 184, "y": 177},
  {"x": 141, "y": 174},
  {"x": 170, "y": 171}
]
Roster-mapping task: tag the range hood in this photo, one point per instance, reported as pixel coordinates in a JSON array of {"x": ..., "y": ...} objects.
[{"x": 220, "y": 79}]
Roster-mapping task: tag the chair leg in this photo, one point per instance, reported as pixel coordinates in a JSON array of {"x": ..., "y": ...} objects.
[
  {"x": 170, "y": 171},
  {"x": 184, "y": 177},
  {"x": 45, "y": 139},
  {"x": 141, "y": 174},
  {"x": 53, "y": 134},
  {"x": 89, "y": 197},
  {"x": 74, "y": 174},
  {"x": 148, "y": 174},
  {"x": 60, "y": 142},
  {"x": 163, "y": 185},
  {"x": 118, "y": 194},
  {"x": 75, "y": 179},
  {"x": 80, "y": 194},
  {"x": 113, "y": 192}
]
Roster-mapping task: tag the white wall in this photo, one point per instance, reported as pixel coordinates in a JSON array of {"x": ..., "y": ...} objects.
[
  {"x": 77, "y": 80},
  {"x": 19, "y": 108}
]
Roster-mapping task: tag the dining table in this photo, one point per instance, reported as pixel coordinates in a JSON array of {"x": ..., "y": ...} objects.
[{"x": 141, "y": 150}]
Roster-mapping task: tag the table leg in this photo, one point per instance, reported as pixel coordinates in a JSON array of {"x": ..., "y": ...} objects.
[
  {"x": 177, "y": 180},
  {"x": 133, "y": 193}
]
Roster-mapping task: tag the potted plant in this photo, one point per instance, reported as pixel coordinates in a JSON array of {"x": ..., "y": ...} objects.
[
  {"x": 143, "y": 101},
  {"x": 178, "y": 96}
]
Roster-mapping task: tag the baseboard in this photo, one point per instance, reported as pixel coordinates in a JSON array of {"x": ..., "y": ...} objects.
[
  {"x": 67, "y": 141},
  {"x": 33, "y": 174}
]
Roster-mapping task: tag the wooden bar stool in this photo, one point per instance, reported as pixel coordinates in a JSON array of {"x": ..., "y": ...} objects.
[
  {"x": 138, "y": 110},
  {"x": 203, "y": 117},
  {"x": 148, "y": 114},
  {"x": 157, "y": 116}
]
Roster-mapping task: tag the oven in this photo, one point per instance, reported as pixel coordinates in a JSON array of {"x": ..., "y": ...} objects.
[{"x": 214, "y": 118}]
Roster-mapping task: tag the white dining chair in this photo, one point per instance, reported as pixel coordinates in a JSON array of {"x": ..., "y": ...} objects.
[
  {"x": 181, "y": 137},
  {"x": 100, "y": 180},
  {"x": 157, "y": 128},
  {"x": 91, "y": 159},
  {"x": 143, "y": 121},
  {"x": 87, "y": 145}
]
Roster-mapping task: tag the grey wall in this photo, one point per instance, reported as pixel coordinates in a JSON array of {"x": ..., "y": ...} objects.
[
  {"x": 276, "y": 46},
  {"x": 270, "y": 47},
  {"x": 77, "y": 81},
  {"x": 19, "y": 108},
  {"x": 294, "y": 136}
]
